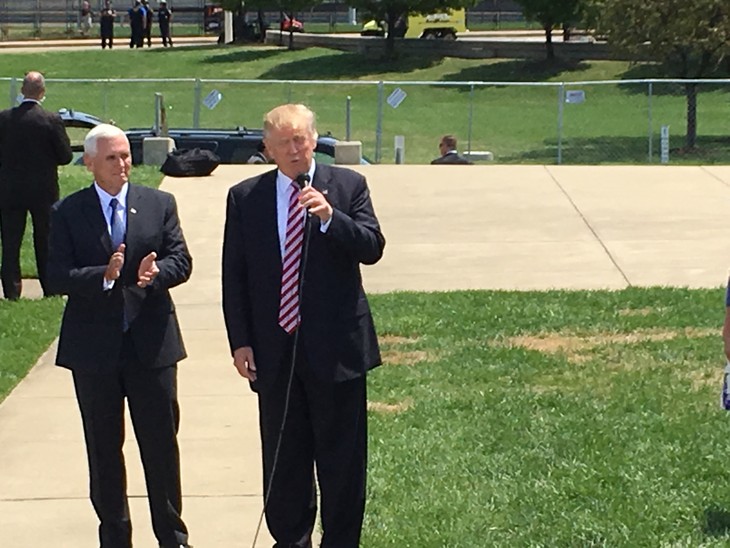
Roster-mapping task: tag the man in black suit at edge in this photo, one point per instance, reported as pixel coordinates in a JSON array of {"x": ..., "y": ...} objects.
[
  {"x": 33, "y": 143},
  {"x": 116, "y": 249},
  {"x": 449, "y": 154},
  {"x": 336, "y": 343}
]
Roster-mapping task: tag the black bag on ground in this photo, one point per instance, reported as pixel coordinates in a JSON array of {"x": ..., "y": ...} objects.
[{"x": 190, "y": 162}]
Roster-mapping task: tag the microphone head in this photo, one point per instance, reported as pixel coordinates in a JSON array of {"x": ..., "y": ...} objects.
[{"x": 302, "y": 180}]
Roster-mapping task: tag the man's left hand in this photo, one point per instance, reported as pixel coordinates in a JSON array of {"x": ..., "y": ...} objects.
[
  {"x": 315, "y": 202},
  {"x": 148, "y": 270}
]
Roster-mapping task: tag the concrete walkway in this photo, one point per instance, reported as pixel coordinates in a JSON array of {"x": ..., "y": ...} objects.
[{"x": 455, "y": 227}]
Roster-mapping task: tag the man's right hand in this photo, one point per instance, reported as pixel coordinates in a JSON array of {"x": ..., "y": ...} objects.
[
  {"x": 243, "y": 362},
  {"x": 116, "y": 262}
]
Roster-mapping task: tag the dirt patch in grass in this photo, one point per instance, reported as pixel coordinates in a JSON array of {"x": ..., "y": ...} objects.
[
  {"x": 382, "y": 407},
  {"x": 575, "y": 346},
  {"x": 404, "y": 357}
]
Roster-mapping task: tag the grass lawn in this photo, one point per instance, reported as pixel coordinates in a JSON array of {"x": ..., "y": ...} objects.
[
  {"x": 519, "y": 124},
  {"x": 555, "y": 419}
]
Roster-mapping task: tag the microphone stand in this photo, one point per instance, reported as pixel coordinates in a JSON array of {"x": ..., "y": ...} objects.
[{"x": 302, "y": 181}]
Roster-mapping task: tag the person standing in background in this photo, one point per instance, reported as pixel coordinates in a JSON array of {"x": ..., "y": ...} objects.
[
  {"x": 137, "y": 19},
  {"x": 449, "y": 154},
  {"x": 106, "y": 25},
  {"x": 86, "y": 17},
  {"x": 149, "y": 18},
  {"x": 164, "y": 18},
  {"x": 33, "y": 143}
]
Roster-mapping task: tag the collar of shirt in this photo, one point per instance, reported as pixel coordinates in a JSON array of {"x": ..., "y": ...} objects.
[
  {"x": 29, "y": 100},
  {"x": 105, "y": 198},
  {"x": 282, "y": 202}
]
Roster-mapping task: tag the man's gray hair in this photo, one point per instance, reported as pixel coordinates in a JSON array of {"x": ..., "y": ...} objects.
[{"x": 102, "y": 131}]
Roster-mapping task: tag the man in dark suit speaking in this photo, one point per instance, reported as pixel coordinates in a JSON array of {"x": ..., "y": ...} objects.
[
  {"x": 33, "y": 143},
  {"x": 300, "y": 329},
  {"x": 115, "y": 250}
]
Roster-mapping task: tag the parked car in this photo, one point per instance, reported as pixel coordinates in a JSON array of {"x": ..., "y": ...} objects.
[{"x": 232, "y": 146}]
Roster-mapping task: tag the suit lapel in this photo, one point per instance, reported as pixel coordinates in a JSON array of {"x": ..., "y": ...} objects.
[
  {"x": 91, "y": 211},
  {"x": 134, "y": 210}
]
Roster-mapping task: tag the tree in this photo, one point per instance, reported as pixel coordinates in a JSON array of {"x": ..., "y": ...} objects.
[
  {"x": 551, "y": 14},
  {"x": 689, "y": 38},
  {"x": 391, "y": 10}
]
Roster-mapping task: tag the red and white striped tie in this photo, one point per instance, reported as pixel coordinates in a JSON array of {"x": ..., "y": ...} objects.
[{"x": 289, "y": 303}]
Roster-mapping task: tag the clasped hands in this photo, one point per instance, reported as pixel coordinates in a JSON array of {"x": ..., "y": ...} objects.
[{"x": 146, "y": 273}]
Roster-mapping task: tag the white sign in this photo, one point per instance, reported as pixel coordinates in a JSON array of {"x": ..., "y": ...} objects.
[
  {"x": 212, "y": 99},
  {"x": 575, "y": 96},
  {"x": 396, "y": 98},
  {"x": 665, "y": 145}
]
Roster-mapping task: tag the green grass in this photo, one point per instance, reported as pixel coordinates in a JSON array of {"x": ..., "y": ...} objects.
[
  {"x": 51, "y": 31},
  {"x": 26, "y": 329},
  {"x": 518, "y": 124},
  {"x": 555, "y": 419}
]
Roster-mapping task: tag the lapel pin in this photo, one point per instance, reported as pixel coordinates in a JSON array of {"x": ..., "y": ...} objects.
[
  {"x": 132, "y": 210},
  {"x": 325, "y": 191}
]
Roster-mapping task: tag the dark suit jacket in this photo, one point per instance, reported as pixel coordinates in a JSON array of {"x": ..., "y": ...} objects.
[
  {"x": 80, "y": 248},
  {"x": 33, "y": 143},
  {"x": 451, "y": 158},
  {"x": 337, "y": 328}
]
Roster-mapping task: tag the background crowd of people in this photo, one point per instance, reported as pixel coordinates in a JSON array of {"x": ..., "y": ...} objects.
[{"x": 140, "y": 17}]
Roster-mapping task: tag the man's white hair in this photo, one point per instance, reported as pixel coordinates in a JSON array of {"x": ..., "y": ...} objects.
[{"x": 102, "y": 131}]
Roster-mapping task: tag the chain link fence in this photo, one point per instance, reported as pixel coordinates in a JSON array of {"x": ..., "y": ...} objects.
[{"x": 596, "y": 122}]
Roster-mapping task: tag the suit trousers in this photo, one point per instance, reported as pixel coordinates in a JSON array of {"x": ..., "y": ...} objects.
[
  {"x": 152, "y": 399},
  {"x": 326, "y": 425},
  {"x": 12, "y": 230}
]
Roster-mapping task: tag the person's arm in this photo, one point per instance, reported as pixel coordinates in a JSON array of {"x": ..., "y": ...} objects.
[
  {"x": 356, "y": 229},
  {"x": 61, "y": 142},
  {"x": 65, "y": 277},
  {"x": 172, "y": 261},
  {"x": 235, "y": 280}
]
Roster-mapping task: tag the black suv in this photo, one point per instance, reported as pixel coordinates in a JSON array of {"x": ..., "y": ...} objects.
[{"x": 232, "y": 146}]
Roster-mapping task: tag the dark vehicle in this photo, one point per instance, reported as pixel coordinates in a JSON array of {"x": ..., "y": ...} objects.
[{"x": 232, "y": 146}]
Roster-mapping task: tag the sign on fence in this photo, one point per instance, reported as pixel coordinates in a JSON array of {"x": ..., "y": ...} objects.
[
  {"x": 575, "y": 96},
  {"x": 665, "y": 145},
  {"x": 212, "y": 99},
  {"x": 396, "y": 98}
]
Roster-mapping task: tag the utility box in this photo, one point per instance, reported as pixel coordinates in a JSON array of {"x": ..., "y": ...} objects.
[
  {"x": 348, "y": 152},
  {"x": 156, "y": 149}
]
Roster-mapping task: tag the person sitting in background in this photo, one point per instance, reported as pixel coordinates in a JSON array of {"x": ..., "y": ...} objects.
[
  {"x": 261, "y": 156},
  {"x": 449, "y": 154}
]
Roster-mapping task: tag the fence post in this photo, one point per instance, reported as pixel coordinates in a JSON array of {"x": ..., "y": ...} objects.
[
  {"x": 379, "y": 123},
  {"x": 105, "y": 100},
  {"x": 13, "y": 91},
  {"x": 471, "y": 117},
  {"x": 347, "y": 118},
  {"x": 196, "y": 102},
  {"x": 651, "y": 130},
  {"x": 561, "y": 102}
]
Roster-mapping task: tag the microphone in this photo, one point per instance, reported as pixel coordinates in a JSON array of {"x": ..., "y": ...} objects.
[{"x": 303, "y": 180}]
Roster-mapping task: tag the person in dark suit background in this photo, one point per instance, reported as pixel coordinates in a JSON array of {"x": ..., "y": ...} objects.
[
  {"x": 326, "y": 321},
  {"x": 33, "y": 143},
  {"x": 164, "y": 18},
  {"x": 449, "y": 154},
  {"x": 115, "y": 250},
  {"x": 106, "y": 25}
]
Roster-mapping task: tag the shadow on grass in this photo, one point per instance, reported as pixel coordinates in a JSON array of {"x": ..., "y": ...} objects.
[
  {"x": 517, "y": 70},
  {"x": 716, "y": 521},
  {"x": 240, "y": 55},
  {"x": 657, "y": 71},
  {"x": 348, "y": 66},
  {"x": 621, "y": 150}
]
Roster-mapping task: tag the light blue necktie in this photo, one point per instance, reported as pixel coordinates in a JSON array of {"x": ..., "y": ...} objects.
[{"x": 117, "y": 225}]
